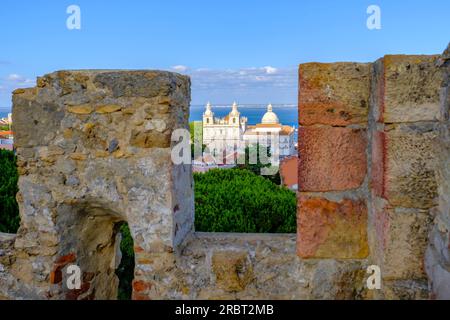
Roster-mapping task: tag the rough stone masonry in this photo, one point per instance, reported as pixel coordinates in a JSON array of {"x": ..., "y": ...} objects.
[{"x": 94, "y": 151}]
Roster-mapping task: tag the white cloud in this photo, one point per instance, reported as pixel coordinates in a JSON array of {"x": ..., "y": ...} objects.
[
  {"x": 14, "y": 77},
  {"x": 252, "y": 83},
  {"x": 14, "y": 81},
  {"x": 249, "y": 77},
  {"x": 180, "y": 68},
  {"x": 261, "y": 78},
  {"x": 270, "y": 70}
]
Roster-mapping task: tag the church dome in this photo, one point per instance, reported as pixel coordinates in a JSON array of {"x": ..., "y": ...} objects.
[{"x": 270, "y": 117}]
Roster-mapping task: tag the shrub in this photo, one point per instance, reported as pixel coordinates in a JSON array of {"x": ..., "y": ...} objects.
[
  {"x": 258, "y": 166},
  {"x": 125, "y": 271},
  {"x": 238, "y": 200},
  {"x": 9, "y": 210}
]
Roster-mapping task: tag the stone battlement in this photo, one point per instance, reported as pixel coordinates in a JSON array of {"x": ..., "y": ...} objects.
[{"x": 94, "y": 150}]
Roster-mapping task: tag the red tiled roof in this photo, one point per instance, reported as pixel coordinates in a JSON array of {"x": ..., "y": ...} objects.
[
  {"x": 286, "y": 130},
  {"x": 289, "y": 171}
]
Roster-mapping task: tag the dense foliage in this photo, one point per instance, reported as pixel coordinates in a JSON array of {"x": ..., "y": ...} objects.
[
  {"x": 9, "y": 211},
  {"x": 196, "y": 132},
  {"x": 125, "y": 271},
  {"x": 238, "y": 200},
  {"x": 262, "y": 161}
]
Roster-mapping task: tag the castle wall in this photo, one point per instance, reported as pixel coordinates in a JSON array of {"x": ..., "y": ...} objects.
[
  {"x": 94, "y": 150},
  {"x": 437, "y": 260}
]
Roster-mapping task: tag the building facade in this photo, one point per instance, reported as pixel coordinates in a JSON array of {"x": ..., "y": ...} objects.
[
  {"x": 232, "y": 133},
  {"x": 223, "y": 133},
  {"x": 270, "y": 129}
]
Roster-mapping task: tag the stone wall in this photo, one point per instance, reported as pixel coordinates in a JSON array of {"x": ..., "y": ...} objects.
[
  {"x": 403, "y": 186},
  {"x": 94, "y": 151},
  {"x": 332, "y": 202},
  {"x": 438, "y": 252},
  {"x": 368, "y": 147}
]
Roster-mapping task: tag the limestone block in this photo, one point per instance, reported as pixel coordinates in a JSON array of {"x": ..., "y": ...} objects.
[
  {"x": 402, "y": 236},
  {"x": 233, "y": 270},
  {"x": 410, "y": 86},
  {"x": 405, "y": 290},
  {"x": 334, "y": 93},
  {"x": 404, "y": 163},
  {"x": 328, "y": 229},
  {"x": 331, "y": 159}
]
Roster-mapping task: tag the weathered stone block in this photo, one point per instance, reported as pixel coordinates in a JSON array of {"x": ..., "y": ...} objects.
[
  {"x": 233, "y": 269},
  {"x": 402, "y": 236},
  {"x": 328, "y": 229},
  {"x": 416, "y": 289},
  {"x": 403, "y": 165},
  {"x": 410, "y": 89},
  {"x": 331, "y": 159},
  {"x": 334, "y": 94},
  {"x": 80, "y": 177}
]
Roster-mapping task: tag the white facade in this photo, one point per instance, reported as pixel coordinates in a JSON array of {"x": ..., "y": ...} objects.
[
  {"x": 223, "y": 133},
  {"x": 232, "y": 132},
  {"x": 270, "y": 128}
]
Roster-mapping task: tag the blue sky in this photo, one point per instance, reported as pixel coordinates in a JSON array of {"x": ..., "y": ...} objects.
[{"x": 244, "y": 50}]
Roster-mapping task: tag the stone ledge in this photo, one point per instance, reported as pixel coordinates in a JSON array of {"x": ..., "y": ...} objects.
[{"x": 7, "y": 240}]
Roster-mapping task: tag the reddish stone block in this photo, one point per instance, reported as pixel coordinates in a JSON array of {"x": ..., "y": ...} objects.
[
  {"x": 334, "y": 93},
  {"x": 327, "y": 229},
  {"x": 289, "y": 172},
  {"x": 331, "y": 159},
  {"x": 378, "y": 163},
  {"x": 140, "y": 286},
  {"x": 141, "y": 297},
  {"x": 138, "y": 249},
  {"x": 61, "y": 262},
  {"x": 56, "y": 276},
  {"x": 75, "y": 294},
  {"x": 64, "y": 260}
]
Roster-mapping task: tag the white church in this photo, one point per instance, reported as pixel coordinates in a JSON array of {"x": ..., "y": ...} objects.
[{"x": 233, "y": 130}]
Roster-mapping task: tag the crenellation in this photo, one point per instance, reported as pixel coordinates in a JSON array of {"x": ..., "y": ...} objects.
[{"x": 94, "y": 150}]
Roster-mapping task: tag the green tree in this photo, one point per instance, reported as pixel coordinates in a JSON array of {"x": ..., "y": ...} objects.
[
  {"x": 258, "y": 166},
  {"x": 9, "y": 210},
  {"x": 238, "y": 200},
  {"x": 125, "y": 271},
  {"x": 196, "y": 131}
]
